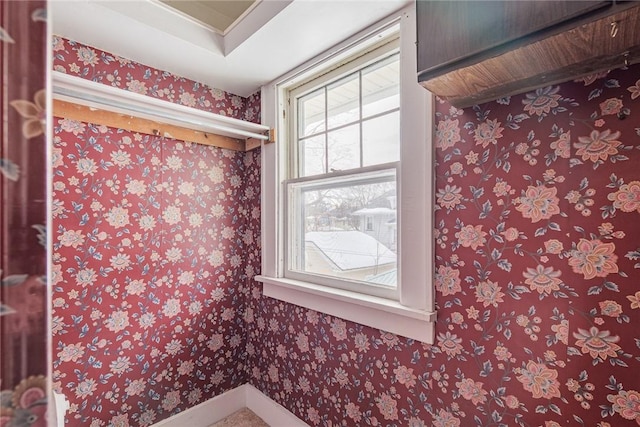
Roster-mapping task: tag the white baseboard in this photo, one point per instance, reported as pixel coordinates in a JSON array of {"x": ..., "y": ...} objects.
[
  {"x": 209, "y": 411},
  {"x": 220, "y": 407},
  {"x": 269, "y": 410}
]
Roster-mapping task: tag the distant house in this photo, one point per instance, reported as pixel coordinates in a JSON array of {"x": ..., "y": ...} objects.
[
  {"x": 350, "y": 254},
  {"x": 379, "y": 223}
]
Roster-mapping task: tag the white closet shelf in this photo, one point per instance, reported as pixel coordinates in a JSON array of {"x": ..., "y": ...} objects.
[{"x": 85, "y": 100}]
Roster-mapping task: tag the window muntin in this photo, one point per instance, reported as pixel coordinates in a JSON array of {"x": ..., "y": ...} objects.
[{"x": 341, "y": 210}]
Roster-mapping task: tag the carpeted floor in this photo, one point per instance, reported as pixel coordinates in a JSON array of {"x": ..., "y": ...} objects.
[{"x": 242, "y": 418}]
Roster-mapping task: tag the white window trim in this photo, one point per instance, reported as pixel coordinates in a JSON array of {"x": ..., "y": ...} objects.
[{"x": 413, "y": 316}]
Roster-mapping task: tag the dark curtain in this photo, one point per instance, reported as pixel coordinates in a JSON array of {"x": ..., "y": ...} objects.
[{"x": 23, "y": 324}]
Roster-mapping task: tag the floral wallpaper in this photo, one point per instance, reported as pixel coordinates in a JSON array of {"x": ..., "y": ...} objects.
[
  {"x": 71, "y": 57},
  {"x": 23, "y": 322},
  {"x": 156, "y": 242},
  {"x": 149, "y": 237},
  {"x": 537, "y": 257}
]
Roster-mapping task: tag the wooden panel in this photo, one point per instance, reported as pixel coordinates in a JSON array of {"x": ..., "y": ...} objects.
[
  {"x": 136, "y": 124},
  {"x": 584, "y": 50},
  {"x": 451, "y": 31}
]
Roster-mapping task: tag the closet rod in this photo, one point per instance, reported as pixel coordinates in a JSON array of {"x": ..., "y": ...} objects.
[{"x": 100, "y": 96}]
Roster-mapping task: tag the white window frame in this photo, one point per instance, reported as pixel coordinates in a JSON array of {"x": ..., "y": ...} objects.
[{"x": 413, "y": 314}]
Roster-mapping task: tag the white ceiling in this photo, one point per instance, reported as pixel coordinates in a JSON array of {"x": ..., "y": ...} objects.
[
  {"x": 220, "y": 15},
  {"x": 273, "y": 38}
]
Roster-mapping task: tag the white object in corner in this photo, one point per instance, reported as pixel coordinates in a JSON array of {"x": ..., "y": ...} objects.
[
  {"x": 60, "y": 407},
  {"x": 220, "y": 407}
]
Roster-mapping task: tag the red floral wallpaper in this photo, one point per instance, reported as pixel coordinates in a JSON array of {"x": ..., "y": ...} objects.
[
  {"x": 536, "y": 275},
  {"x": 23, "y": 320},
  {"x": 538, "y": 203},
  {"x": 149, "y": 237},
  {"x": 71, "y": 57}
]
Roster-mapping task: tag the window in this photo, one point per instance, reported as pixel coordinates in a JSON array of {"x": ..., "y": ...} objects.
[
  {"x": 344, "y": 148},
  {"x": 369, "y": 226},
  {"x": 349, "y": 233}
]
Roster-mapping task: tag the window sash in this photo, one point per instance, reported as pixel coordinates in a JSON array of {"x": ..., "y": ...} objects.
[
  {"x": 310, "y": 94},
  {"x": 379, "y": 53},
  {"x": 294, "y": 240}
]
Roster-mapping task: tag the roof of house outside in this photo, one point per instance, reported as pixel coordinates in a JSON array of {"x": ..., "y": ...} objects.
[
  {"x": 388, "y": 278},
  {"x": 350, "y": 250},
  {"x": 374, "y": 211}
]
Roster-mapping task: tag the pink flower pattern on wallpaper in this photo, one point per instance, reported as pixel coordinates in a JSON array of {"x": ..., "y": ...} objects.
[
  {"x": 23, "y": 213},
  {"x": 73, "y": 58},
  {"x": 536, "y": 272},
  {"x": 156, "y": 310},
  {"x": 149, "y": 254},
  {"x": 148, "y": 301}
]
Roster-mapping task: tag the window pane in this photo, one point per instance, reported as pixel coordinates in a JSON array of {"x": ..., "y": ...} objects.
[
  {"x": 381, "y": 86},
  {"x": 345, "y": 227},
  {"x": 344, "y": 148},
  {"x": 381, "y": 139},
  {"x": 312, "y": 156},
  {"x": 311, "y": 113},
  {"x": 343, "y": 101}
]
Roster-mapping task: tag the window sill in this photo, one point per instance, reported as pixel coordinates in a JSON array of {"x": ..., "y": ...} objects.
[{"x": 375, "y": 312}]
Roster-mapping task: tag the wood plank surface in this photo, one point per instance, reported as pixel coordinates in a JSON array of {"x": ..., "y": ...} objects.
[
  {"x": 587, "y": 49},
  {"x": 83, "y": 113}
]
